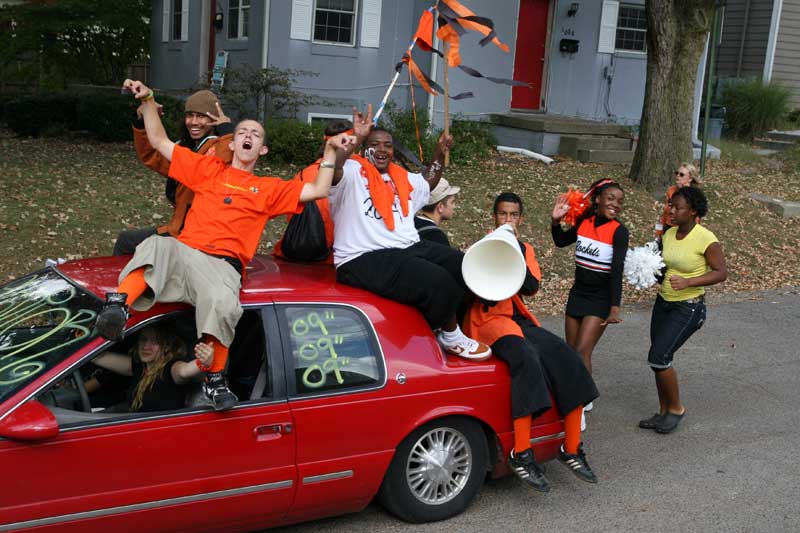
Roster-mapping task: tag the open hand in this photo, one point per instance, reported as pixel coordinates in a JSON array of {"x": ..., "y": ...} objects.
[{"x": 560, "y": 208}]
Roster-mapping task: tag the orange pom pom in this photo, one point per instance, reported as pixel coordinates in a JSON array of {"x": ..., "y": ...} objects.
[{"x": 578, "y": 204}]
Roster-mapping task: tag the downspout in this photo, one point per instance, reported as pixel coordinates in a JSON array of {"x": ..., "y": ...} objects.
[
  {"x": 265, "y": 41},
  {"x": 774, "y": 26},
  {"x": 742, "y": 38},
  {"x": 712, "y": 57}
]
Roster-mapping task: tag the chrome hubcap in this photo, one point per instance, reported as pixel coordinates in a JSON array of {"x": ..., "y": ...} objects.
[{"x": 439, "y": 466}]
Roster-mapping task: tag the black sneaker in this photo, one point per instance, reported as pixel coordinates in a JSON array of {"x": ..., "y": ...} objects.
[
  {"x": 216, "y": 390},
  {"x": 652, "y": 422},
  {"x": 577, "y": 464},
  {"x": 528, "y": 470},
  {"x": 112, "y": 317}
]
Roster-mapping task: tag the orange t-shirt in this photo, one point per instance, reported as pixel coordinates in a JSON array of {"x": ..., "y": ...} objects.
[{"x": 230, "y": 206}]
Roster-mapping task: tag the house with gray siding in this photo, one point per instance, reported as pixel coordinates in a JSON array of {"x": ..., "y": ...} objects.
[
  {"x": 761, "y": 39},
  {"x": 583, "y": 59}
]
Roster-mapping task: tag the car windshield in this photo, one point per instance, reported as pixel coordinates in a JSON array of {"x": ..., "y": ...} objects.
[{"x": 43, "y": 319}]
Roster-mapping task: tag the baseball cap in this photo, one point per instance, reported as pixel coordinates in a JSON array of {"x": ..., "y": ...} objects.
[{"x": 442, "y": 190}]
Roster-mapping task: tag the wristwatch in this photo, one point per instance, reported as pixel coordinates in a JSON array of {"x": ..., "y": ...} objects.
[{"x": 327, "y": 164}]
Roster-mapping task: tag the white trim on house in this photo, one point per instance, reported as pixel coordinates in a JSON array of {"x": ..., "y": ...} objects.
[
  {"x": 205, "y": 30},
  {"x": 606, "y": 41},
  {"x": 774, "y": 27},
  {"x": 166, "y": 23},
  {"x": 371, "y": 23},
  {"x": 185, "y": 20},
  {"x": 313, "y": 115}
]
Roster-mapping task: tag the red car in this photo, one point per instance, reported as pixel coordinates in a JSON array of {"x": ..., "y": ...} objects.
[{"x": 344, "y": 396}]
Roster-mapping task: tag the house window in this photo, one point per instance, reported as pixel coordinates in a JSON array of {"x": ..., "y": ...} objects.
[
  {"x": 324, "y": 118},
  {"x": 238, "y": 18},
  {"x": 335, "y": 21},
  {"x": 177, "y": 19},
  {"x": 631, "y": 29}
]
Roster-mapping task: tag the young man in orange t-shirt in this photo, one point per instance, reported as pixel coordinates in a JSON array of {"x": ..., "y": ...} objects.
[{"x": 204, "y": 264}]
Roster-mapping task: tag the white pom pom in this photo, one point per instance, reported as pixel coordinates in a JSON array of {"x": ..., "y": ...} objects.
[{"x": 643, "y": 264}]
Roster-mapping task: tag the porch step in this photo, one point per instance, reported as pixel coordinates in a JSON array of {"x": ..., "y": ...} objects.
[
  {"x": 605, "y": 156},
  {"x": 790, "y": 136},
  {"x": 770, "y": 144},
  {"x": 557, "y": 124},
  {"x": 570, "y": 144}
]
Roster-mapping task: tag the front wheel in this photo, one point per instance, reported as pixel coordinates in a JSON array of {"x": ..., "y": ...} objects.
[{"x": 436, "y": 471}]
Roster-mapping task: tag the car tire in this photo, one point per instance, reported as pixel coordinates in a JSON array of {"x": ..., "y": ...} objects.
[{"x": 436, "y": 471}]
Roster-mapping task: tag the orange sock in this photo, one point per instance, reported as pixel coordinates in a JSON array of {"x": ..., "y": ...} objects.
[
  {"x": 522, "y": 434},
  {"x": 220, "y": 354},
  {"x": 572, "y": 430},
  {"x": 133, "y": 285}
]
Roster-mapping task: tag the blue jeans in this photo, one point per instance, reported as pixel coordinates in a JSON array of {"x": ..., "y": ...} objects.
[{"x": 671, "y": 325}]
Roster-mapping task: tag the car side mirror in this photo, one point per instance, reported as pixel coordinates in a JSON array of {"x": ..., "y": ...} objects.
[{"x": 31, "y": 421}]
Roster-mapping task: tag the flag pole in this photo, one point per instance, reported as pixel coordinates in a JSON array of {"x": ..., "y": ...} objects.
[{"x": 446, "y": 101}]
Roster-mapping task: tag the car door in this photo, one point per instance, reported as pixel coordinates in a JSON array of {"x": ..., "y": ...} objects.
[
  {"x": 188, "y": 469},
  {"x": 335, "y": 373}
]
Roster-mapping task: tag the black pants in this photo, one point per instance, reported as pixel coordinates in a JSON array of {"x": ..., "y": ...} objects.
[
  {"x": 426, "y": 275},
  {"x": 542, "y": 361},
  {"x": 129, "y": 239}
]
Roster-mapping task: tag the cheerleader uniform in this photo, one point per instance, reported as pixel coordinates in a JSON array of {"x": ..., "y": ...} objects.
[{"x": 600, "y": 249}]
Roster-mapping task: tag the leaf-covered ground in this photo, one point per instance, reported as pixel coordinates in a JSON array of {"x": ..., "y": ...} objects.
[{"x": 69, "y": 198}]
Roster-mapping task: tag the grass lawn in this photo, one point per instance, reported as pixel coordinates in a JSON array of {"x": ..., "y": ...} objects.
[{"x": 69, "y": 198}]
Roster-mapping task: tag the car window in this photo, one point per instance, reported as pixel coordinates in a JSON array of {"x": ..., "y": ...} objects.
[
  {"x": 43, "y": 320},
  {"x": 115, "y": 387},
  {"x": 332, "y": 347}
]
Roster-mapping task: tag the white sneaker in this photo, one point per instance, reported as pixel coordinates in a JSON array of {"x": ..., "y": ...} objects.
[
  {"x": 588, "y": 407},
  {"x": 583, "y": 421},
  {"x": 465, "y": 347}
]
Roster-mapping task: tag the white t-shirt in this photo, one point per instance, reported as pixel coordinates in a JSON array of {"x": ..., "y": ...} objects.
[{"x": 358, "y": 227}]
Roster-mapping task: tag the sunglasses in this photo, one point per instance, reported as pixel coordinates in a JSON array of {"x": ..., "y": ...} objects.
[{"x": 679, "y": 173}]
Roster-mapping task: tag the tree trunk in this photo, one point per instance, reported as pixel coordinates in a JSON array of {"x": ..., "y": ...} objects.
[{"x": 676, "y": 34}]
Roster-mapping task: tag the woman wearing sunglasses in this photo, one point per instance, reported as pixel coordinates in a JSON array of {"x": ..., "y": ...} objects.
[{"x": 686, "y": 175}]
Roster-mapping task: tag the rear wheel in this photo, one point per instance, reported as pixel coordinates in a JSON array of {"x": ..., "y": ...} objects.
[{"x": 436, "y": 471}]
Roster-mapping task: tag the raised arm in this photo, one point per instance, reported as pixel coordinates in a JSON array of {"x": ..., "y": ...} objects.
[
  {"x": 336, "y": 148},
  {"x": 184, "y": 371},
  {"x": 434, "y": 171},
  {"x": 152, "y": 121},
  {"x": 362, "y": 125}
]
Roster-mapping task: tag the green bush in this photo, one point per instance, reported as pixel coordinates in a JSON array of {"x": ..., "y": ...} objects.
[
  {"x": 36, "y": 115},
  {"x": 108, "y": 116},
  {"x": 754, "y": 108},
  {"x": 473, "y": 141},
  {"x": 294, "y": 142}
]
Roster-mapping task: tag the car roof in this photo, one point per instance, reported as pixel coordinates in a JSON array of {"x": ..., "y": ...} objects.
[{"x": 266, "y": 278}]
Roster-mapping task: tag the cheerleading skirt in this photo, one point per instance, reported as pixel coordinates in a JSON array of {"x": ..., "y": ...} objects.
[{"x": 589, "y": 301}]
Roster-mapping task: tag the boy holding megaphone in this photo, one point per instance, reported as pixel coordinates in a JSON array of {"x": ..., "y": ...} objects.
[{"x": 537, "y": 360}]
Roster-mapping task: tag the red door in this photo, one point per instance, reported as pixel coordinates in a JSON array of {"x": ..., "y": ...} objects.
[{"x": 529, "y": 54}]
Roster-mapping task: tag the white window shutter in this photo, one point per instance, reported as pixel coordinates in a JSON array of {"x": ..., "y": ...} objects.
[
  {"x": 302, "y": 11},
  {"x": 185, "y": 20},
  {"x": 371, "y": 23},
  {"x": 608, "y": 27},
  {"x": 165, "y": 25}
]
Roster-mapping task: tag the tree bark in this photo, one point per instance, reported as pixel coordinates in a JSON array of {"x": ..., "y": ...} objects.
[{"x": 676, "y": 35}]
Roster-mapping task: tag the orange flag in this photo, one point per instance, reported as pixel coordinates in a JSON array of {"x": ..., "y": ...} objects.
[{"x": 424, "y": 34}]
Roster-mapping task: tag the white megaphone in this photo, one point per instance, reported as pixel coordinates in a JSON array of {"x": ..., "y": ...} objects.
[{"x": 494, "y": 267}]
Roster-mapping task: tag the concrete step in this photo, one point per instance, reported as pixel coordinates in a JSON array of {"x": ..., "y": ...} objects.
[
  {"x": 790, "y": 136},
  {"x": 570, "y": 144},
  {"x": 774, "y": 145},
  {"x": 555, "y": 124},
  {"x": 605, "y": 156}
]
